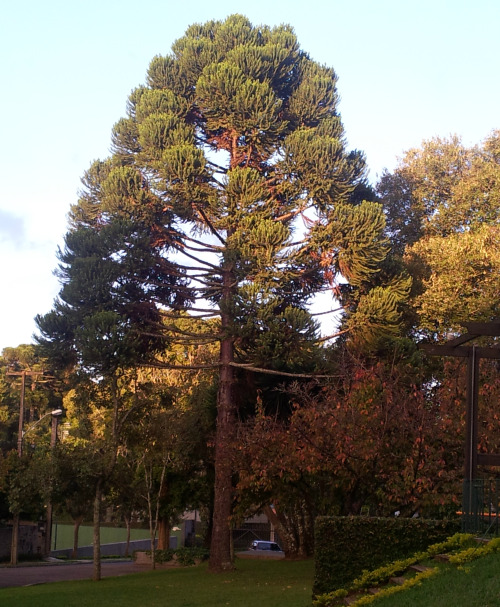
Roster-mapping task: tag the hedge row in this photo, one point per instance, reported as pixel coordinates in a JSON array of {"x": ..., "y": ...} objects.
[{"x": 347, "y": 546}]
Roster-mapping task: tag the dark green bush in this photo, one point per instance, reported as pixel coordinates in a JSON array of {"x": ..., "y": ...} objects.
[
  {"x": 188, "y": 556},
  {"x": 184, "y": 556},
  {"x": 347, "y": 546},
  {"x": 163, "y": 556}
]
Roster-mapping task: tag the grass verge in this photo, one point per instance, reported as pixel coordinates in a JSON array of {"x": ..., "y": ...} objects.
[{"x": 265, "y": 583}]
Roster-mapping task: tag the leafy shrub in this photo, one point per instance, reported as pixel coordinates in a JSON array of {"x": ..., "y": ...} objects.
[
  {"x": 470, "y": 554},
  {"x": 348, "y": 546},
  {"x": 163, "y": 556},
  {"x": 188, "y": 556},
  {"x": 183, "y": 556},
  {"x": 381, "y": 575}
]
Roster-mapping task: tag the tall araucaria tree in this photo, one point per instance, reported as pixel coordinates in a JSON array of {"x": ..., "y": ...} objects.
[{"x": 232, "y": 161}]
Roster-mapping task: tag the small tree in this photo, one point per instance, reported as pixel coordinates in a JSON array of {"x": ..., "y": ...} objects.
[
  {"x": 28, "y": 489},
  {"x": 164, "y": 452},
  {"x": 75, "y": 479}
]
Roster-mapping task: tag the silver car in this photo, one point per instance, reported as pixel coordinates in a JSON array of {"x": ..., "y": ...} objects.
[{"x": 262, "y": 545}]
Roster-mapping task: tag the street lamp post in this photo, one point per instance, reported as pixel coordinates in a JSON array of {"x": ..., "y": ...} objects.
[{"x": 56, "y": 414}]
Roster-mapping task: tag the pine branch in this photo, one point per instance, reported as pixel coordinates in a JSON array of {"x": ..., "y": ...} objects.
[
  {"x": 206, "y": 263},
  {"x": 181, "y": 340},
  {"x": 174, "y": 329},
  {"x": 201, "y": 243},
  {"x": 250, "y": 367},
  {"x": 203, "y": 278},
  {"x": 327, "y": 311},
  {"x": 161, "y": 365},
  {"x": 219, "y": 168},
  {"x": 205, "y": 249},
  {"x": 203, "y": 311},
  {"x": 321, "y": 339},
  {"x": 209, "y": 224}
]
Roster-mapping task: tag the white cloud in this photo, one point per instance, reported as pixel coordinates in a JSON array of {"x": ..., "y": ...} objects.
[{"x": 12, "y": 228}]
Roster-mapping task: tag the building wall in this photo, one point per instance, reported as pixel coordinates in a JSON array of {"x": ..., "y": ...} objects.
[{"x": 30, "y": 541}]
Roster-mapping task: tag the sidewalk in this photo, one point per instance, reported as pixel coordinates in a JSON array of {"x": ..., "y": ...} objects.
[{"x": 29, "y": 574}]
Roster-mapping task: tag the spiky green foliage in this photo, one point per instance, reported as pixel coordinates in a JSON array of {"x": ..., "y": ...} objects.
[
  {"x": 106, "y": 314},
  {"x": 236, "y": 138}
]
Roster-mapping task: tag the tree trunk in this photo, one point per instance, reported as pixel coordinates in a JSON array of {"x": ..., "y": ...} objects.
[
  {"x": 76, "y": 528},
  {"x": 163, "y": 534},
  {"x": 220, "y": 547},
  {"x": 128, "y": 523},
  {"x": 97, "y": 532},
  {"x": 15, "y": 540},
  {"x": 294, "y": 532},
  {"x": 48, "y": 530},
  {"x": 287, "y": 537}
]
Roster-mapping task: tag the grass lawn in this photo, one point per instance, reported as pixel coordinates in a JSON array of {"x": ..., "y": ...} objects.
[
  {"x": 62, "y": 535},
  {"x": 476, "y": 584},
  {"x": 264, "y": 583}
]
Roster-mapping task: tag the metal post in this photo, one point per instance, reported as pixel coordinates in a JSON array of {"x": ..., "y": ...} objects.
[
  {"x": 471, "y": 433},
  {"x": 472, "y": 402}
]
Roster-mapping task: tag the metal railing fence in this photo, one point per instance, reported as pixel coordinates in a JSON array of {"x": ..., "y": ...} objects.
[{"x": 481, "y": 507}]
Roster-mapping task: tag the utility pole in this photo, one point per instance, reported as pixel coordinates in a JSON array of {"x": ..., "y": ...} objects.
[{"x": 23, "y": 374}]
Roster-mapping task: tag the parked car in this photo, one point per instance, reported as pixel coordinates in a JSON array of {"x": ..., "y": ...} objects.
[{"x": 262, "y": 545}]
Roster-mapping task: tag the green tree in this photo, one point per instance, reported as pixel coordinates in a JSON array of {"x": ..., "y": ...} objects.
[
  {"x": 38, "y": 392},
  {"x": 104, "y": 324},
  {"x": 232, "y": 164},
  {"x": 26, "y": 396},
  {"x": 98, "y": 411},
  {"x": 105, "y": 316},
  {"x": 163, "y": 459},
  {"x": 443, "y": 213},
  {"x": 460, "y": 279},
  {"x": 441, "y": 188},
  {"x": 75, "y": 471}
]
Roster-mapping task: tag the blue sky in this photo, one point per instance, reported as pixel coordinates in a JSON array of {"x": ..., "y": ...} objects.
[{"x": 408, "y": 71}]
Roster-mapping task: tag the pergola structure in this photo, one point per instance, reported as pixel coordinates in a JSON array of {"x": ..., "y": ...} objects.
[
  {"x": 461, "y": 347},
  {"x": 473, "y": 353}
]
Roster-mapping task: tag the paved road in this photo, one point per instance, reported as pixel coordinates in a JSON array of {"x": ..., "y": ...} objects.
[{"x": 29, "y": 574}]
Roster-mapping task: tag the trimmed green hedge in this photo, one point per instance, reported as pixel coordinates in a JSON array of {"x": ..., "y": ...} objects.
[{"x": 347, "y": 546}]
